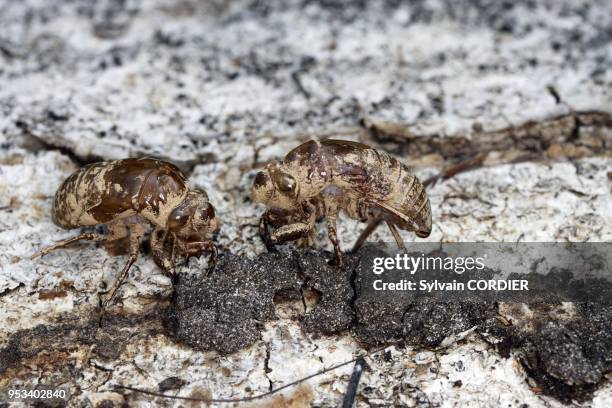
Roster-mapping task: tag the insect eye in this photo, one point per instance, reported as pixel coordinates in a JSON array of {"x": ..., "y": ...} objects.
[
  {"x": 178, "y": 218},
  {"x": 286, "y": 183}
]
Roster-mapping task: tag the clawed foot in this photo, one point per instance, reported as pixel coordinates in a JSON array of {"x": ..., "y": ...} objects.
[
  {"x": 338, "y": 261},
  {"x": 212, "y": 260}
]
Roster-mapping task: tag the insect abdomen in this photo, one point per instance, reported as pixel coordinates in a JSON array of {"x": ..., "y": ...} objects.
[
  {"x": 404, "y": 193},
  {"x": 76, "y": 195},
  {"x": 414, "y": 203},
  {"x": 379, "y": 178}
]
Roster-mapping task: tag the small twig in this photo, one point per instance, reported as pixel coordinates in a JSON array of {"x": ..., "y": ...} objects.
[
  {"x": 295, "y": 76},
  {"x": 469, "y": 164}
]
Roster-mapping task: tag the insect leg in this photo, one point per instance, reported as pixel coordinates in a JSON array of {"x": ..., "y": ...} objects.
[
  {"x": 212, "y": 261},
  {"x": 119, "y": 281},
  {"x": 137, "y": 232},
  {"x": 88, "y": 236},
  {"x": 264, "y": 232},
  {"x": 332, "y": 214},
  {"x": 117, "y": 240},
  {"x": 312, "y": 211},
  {"x": 160, "y": 253},
  {"x": 290, "y": 232},
  {"x": 396, "y": 235},
  {"x": 305, "y": 241},
  {"x": 372, "y": 225},
  {"x": 195, "y": 248}
]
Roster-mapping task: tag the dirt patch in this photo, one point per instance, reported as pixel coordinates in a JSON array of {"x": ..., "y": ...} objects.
[
  {"x": 62, "y": 291},
  {"x": 567, "y": 356},
  {"x": 333, "y": 312},
  {"x": 56, "y": 345},
  {"x": 225, "y": 311}
]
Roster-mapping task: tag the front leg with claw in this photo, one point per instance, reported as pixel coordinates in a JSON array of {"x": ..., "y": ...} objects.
[
  {"x": 331, "y": 209},
  {"x": 296, "y": 225},
  {"x": 264, "y": 231},
  {"x": 196, "y": 248},
  {"x": 290, "y": 232},
  {"x": 162, "y": 250}
]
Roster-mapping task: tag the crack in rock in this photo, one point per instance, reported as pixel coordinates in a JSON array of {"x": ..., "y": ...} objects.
[{"x": 577, "y": 134}]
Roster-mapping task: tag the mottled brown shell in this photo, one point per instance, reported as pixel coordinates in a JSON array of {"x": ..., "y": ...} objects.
[
  {"x": 103, "y": 192},
  {"x": 366, "y": 176}
]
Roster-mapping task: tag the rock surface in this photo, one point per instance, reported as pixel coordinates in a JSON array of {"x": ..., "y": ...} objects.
[{"x": 221, "y": 88}]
